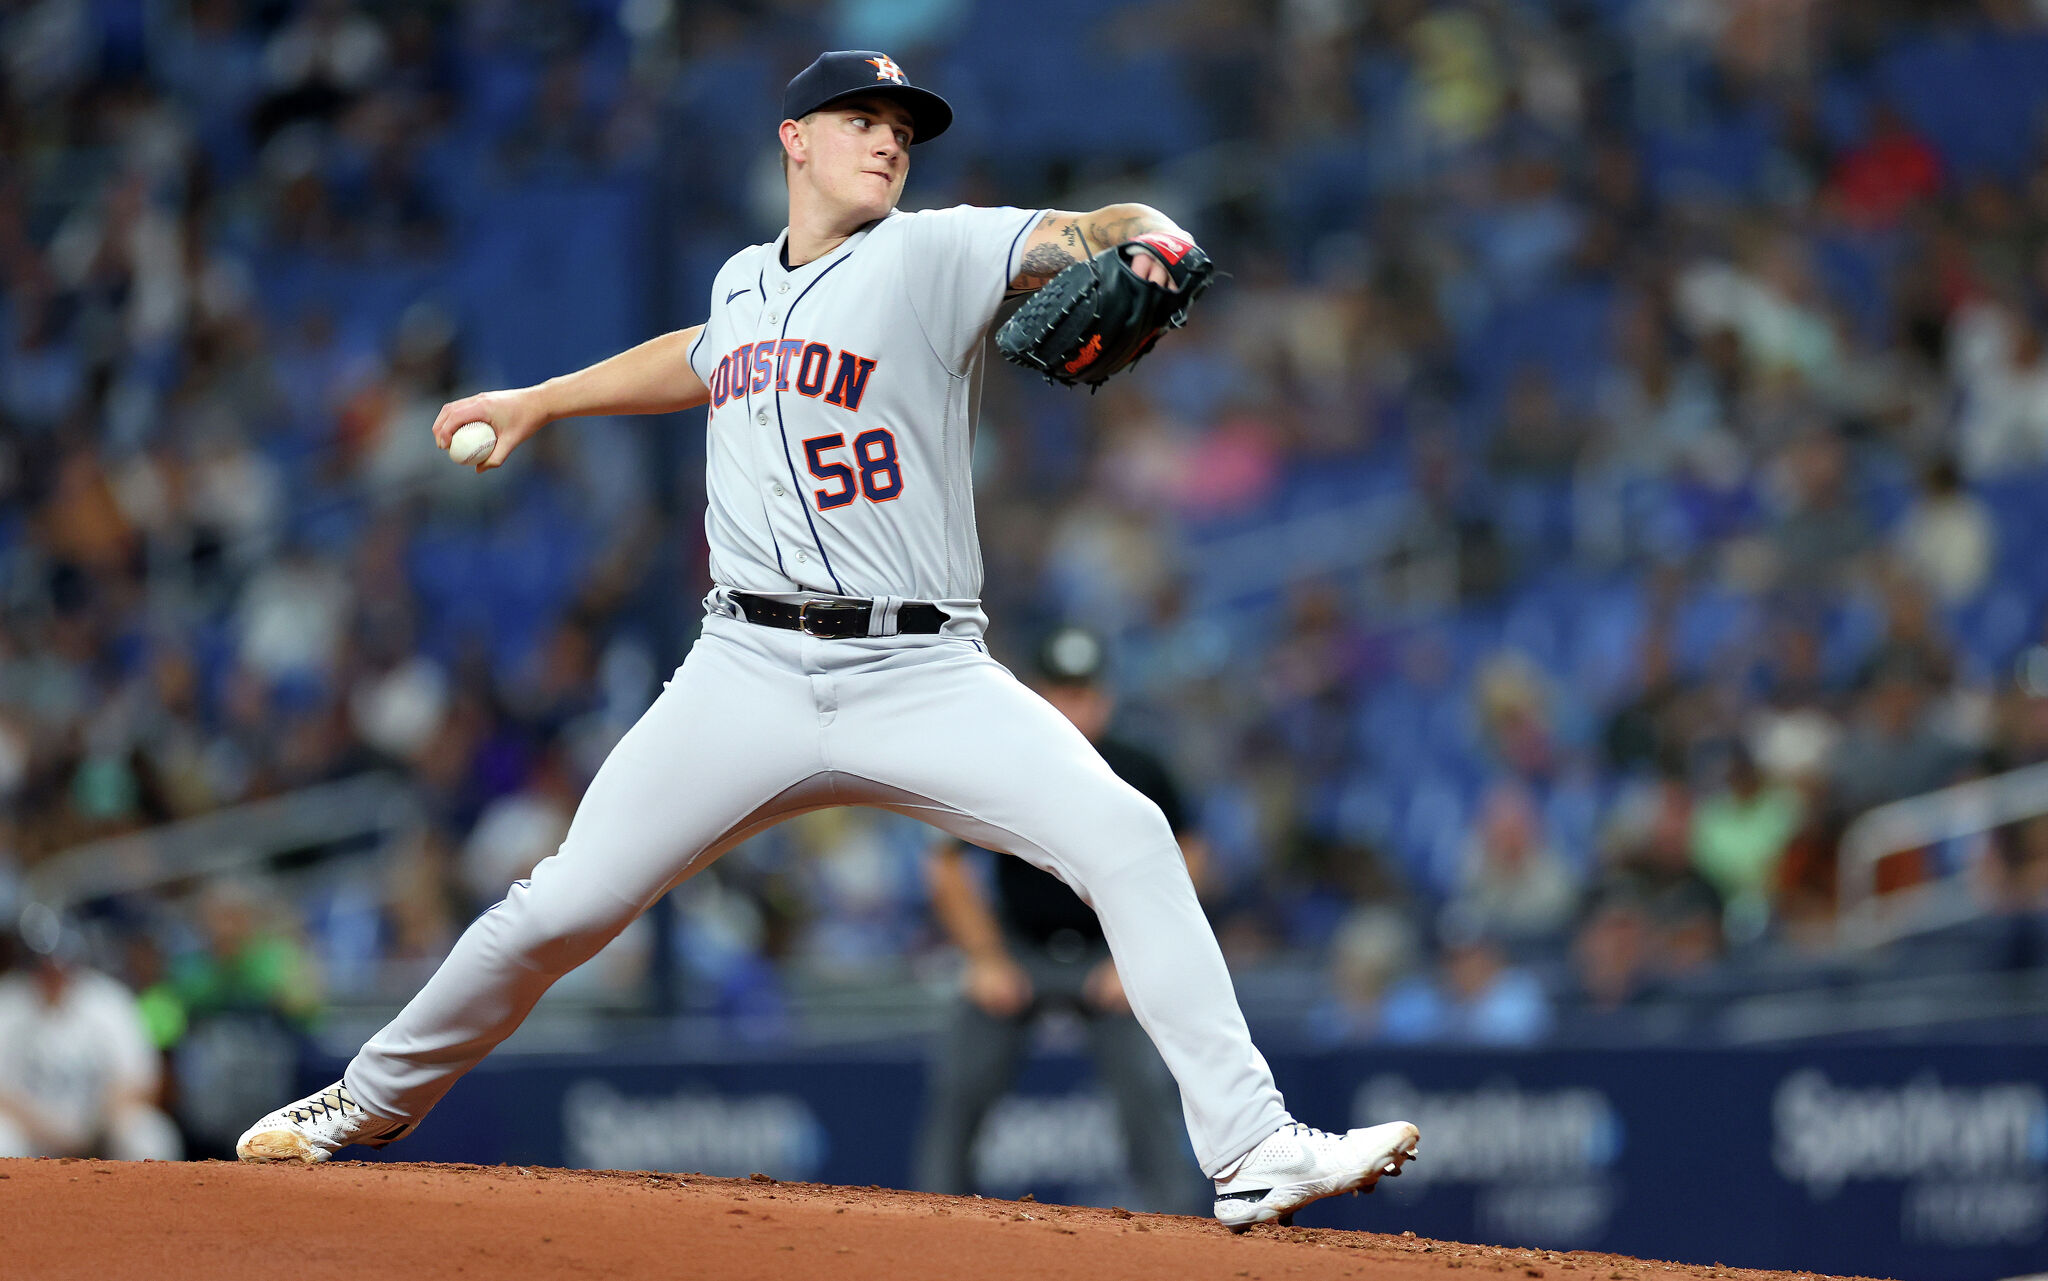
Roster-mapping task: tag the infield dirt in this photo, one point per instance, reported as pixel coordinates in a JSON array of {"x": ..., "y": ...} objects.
[{"x": 109, "y": 1221}]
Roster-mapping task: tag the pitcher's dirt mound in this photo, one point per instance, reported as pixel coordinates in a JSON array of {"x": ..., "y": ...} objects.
[{"x": 211, "y": 1221}]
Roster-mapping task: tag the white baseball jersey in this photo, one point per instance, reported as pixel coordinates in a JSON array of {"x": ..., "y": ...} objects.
[
  {"x": 843, "y": 402},
  {"x": 63, "y": 1060}
]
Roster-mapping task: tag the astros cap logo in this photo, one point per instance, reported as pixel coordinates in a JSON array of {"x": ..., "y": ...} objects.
[{"x": 841, "y": 74}]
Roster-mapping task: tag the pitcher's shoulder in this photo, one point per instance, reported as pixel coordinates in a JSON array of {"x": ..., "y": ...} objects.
[
  {"x": 746, "y": 262},
  {"x": 910, "y": 221}
]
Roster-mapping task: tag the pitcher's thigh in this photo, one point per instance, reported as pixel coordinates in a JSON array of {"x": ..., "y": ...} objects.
[
  {"x": 728, "y": 738},
  {"x": 1003, "y": 768}
]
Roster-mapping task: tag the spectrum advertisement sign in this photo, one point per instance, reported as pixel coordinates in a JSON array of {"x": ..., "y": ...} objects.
[{"x": 1924, "y": 1164}]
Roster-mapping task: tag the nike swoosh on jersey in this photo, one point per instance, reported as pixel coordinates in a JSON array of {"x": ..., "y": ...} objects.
[{"x": 736, "y": 293}]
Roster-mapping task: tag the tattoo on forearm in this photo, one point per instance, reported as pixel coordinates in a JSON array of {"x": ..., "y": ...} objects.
[
  {"x": 1114, "y": 231},
  {"x": 1080, "y": 238},
  {"x": 1045, "y": 261}
]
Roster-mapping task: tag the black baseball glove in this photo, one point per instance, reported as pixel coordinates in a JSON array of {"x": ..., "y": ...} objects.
[{"x": 1098, "y": 317}]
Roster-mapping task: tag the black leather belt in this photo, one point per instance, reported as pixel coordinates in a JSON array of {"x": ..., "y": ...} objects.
[{"x": 836, "y": 617}]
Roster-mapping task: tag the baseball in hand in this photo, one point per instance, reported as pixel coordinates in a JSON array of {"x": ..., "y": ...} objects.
[{"x": 472, "y": 443}]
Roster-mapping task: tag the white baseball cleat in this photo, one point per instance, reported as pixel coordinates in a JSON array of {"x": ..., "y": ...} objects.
[
  {"x": 316, "y": 1127},
  {"x": 1298, "y": 1164}
]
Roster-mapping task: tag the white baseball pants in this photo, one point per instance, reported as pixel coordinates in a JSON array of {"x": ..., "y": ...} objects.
[{"x": 760, "y": 724}]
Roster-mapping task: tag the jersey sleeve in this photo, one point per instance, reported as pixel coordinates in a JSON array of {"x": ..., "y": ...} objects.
[
  {"x": 739, "y": 269},
  {"x": 703, "y": 355},
  {"x": 700, "y": 357},
  {"x": 958, "y": 263}
]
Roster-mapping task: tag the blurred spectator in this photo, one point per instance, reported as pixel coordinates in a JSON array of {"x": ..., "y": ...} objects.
[
  {"x": 1876, "y": 181},
  {"x": 1309, "y": 679},
  {"x": 1526, "y": 238},
  {"x": 245, "y": 963},
  {"x": 1652, "y": 921},
  {"x": 1739, "y": 833},
  {"x": 1657, "y": 418},
  {"x": 1450, "y": 546},
  {"x": 388, "y": 421},
  {"x": 1794, "y": 731},
  {"x": 1947, "y": 537},
  {"x": 1537, "y": 439},
  {"x": 1809, "y": 873},
  {"x": 243, "y": 1000},
  {"x": 1648, "y": 855},
  {"x": 1892, "y": 749},
  {"x": 317, "y": 63},
  {"x": 1614, "y": 954},
  {"x": 2016, "y": 876},
  {"x": 1911, "y": 644},
  {"x": 2000, "y": 365},
  {"x": 1769, "y": 302},
  {"x": 1514, "y": 886},
  {"x": 78, "y": 1074},
  {"x": 518, "y": 830},
  {"x": 1476, "y": 996},
  {"x": 1820, "y": 536},
  {"x": 1514, "y": 704},
  {"x": 1458, "y": 81},
  {"x": 397, "y": 705},
  {"x": 291, "y": 617},
  {"x": 43, "y": 375},
  {"x": 422, "y": 912},
  {"x": 1648, "y": 730},
  {"x": 1371, "y": 952}
]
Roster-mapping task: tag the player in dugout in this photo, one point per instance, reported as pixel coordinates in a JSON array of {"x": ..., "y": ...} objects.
[{"x": 78, "y": 1074}]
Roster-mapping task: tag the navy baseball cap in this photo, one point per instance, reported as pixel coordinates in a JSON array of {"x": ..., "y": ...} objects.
[{"x": 851, "y": 73}]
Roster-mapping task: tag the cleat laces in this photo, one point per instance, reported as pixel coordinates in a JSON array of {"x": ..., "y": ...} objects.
[{"x": 330, "y": 1102}]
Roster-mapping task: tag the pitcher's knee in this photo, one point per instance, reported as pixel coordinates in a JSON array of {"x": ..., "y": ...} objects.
[
  {"x": 557, "y": 928},
  {"x": 1117, "y": 850},
  {"x": 1136, "y": 830}
]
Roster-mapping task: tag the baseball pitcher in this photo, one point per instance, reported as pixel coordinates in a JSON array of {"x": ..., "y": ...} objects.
[{"x": 841, "y": 660}]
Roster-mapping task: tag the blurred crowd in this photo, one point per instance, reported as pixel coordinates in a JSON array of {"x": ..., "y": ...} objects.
[{"x": 1610, "y": 467}]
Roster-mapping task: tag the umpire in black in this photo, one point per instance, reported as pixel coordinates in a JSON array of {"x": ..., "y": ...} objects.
[{"x": 1038, "y": 948}]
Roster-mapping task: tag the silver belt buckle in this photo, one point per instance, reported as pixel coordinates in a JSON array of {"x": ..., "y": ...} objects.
[{"x": 803, "y": 614}]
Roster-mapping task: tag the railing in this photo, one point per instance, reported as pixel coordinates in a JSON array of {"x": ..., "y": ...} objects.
[
  {"x": 1868, "y": 919},
  {"x": 228, "y": 840}
]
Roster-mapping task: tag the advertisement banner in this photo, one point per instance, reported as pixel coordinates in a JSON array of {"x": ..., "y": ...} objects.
[{"x": 1921, "y": 1163}]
